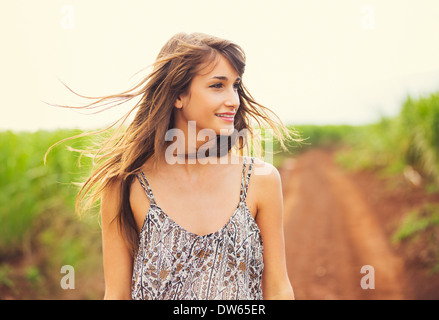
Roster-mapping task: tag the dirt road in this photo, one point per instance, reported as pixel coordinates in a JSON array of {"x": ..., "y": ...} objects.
[{"x": 331, "y": 233}]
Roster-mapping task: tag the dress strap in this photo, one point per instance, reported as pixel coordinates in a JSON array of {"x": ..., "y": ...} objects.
[
  {"x": 244, "y": 187},
  {"x": 146, "y": 187}
]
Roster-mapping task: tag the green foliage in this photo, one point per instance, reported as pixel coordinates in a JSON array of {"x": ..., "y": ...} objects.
[
  {"x": 325, "y": 135},
  {"x": 419, "y": 120},
  {"x": 421, "y": 228},
  {"x": 389, "y": 146},
  {"x": 312, "y": 136},
  {"x": 417, "y": 221},
  {"x": 33, "y": 275},
  {"x": 31, "y": 190},
  {"x": 411, "y": 138},
  {"x": 37, "y": 219},
  {"x": 373, "y": 146},
  {"x": 5, "y": 276}
]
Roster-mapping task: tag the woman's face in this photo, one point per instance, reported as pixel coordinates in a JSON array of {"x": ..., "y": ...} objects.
[{"x": 213, "y": 91}]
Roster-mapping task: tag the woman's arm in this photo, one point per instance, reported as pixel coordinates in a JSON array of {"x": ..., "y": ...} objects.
[
  {"x": 116, "y": 256},
  {"x": 275, "y": 282}
]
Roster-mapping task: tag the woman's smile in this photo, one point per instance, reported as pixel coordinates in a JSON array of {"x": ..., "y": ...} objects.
[{"x": 226, "y": 117}]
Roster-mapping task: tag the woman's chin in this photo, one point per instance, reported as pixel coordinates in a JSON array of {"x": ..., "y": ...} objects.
[{"x": 225, "y": 131}]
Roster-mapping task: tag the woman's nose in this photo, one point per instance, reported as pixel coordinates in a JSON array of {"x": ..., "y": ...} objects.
[{"x": 232, "y": 98}]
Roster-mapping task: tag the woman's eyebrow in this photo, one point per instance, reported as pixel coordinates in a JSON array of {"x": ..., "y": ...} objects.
[{"x": 225, "y": 78}]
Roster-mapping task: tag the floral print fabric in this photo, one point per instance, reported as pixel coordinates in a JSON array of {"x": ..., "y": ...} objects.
[{"x": 173, "y": 263}]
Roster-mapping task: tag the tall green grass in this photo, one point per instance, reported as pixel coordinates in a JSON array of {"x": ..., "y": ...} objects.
[
  {"x": 374, "y": 146},
  {"x": 38, "y": 226},
  {"x": 419, "y": 123},
  {"x": 37, "y": 220},
  {"x": 327, "y": 136},
  {"x": 390, "y": 146},
  {"x": 311, "y": 136},
  {"x": 409, "y": 139}
]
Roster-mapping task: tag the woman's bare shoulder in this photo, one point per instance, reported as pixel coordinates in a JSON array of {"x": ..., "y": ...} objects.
[
  {"x": 262, "y": 170},
  {"x": 266, "y": 178},
  {"x": 265, "y": 169},
  {"x": 110, "y": 201},
  {"x": 112, "y": 189}
]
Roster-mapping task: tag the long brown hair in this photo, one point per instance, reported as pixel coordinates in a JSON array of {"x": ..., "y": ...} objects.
[{"x": 121, "y": 155}]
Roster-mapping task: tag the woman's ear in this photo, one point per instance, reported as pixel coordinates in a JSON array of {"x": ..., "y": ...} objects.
[
  {"x": 182, "y": 100},
  {"x": 178, "y": 103}
]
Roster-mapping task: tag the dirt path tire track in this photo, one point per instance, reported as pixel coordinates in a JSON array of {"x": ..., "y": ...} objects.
[{"x": 330, "y": 233}]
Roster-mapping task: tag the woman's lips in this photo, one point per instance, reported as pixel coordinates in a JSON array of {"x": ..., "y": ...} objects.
[{"x": 225, "y": 117}]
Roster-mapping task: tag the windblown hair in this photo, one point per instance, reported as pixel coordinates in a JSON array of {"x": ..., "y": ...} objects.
[{"x": 123, "y": 153}]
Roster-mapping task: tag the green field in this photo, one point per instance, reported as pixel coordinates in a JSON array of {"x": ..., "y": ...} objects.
[{"x": 40, "y": 232}]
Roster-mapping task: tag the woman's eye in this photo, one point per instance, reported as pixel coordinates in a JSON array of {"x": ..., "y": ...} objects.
[{"x": 220, "y": 85}]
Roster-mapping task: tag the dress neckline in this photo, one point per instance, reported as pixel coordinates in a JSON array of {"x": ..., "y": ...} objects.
[
  {"x": 193, "y": 234},
  {"x": 242, "y": 203}
]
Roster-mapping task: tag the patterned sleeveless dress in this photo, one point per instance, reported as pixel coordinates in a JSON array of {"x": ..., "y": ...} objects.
[{"x": 173, "y": 263}]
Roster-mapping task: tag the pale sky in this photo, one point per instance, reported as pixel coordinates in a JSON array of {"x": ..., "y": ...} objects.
[{"x": 318, "y": 61}]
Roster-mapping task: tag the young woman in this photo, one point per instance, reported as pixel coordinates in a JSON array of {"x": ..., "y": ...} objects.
[{"x": 177, "y": 223}]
